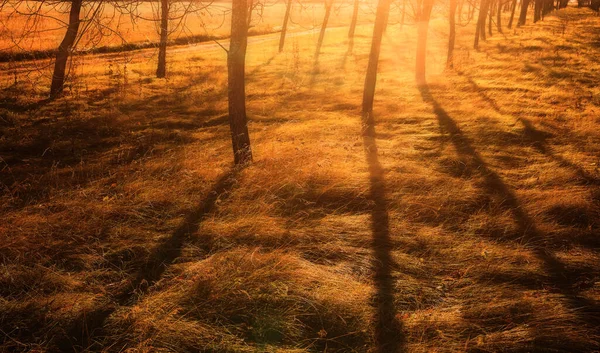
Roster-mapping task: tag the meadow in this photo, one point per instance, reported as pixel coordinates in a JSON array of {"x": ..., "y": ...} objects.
[{"x": 465, "y": 219}]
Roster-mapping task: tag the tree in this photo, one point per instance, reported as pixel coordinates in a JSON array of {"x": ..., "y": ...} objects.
[
  {"x": 480, "y": 26},
  {"x": 352, "y": 26},
  {"x": 499, "y": 16},
  {"x": 523, "y": 15},
  {"x": 286, "y": 18},
  {"x": 328, "y": 5},
  {"x": 65, "y": 47},
  {"x": 423, "y": 15},
  {"x": 452, "y": 35},
  {"x": 161, "y": 70},
  {"x": 383, "y": 9},
  {"x": 512, "y": 13},
  {"x": 236, "y": 82}
]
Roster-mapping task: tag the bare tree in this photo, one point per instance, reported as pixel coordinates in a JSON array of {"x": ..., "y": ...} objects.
[
  {"x": 480, "y": 26},
  {"x": 452, "y": 35},
  {"x": 286, "y": 18},
  {"x": 65, "y": 47},
  {"x": 383, "y": 9},
  {"x": 161, "y": 70},
  {"x": 328, "y": 5},
  {"x": 523, "y": 15},
  {"x": 423, "y": 15},
  {"x": 512, "y": 13},
  {"x": 499, "y": 16},
  {"x": 353, "y": 26},
  {"x": 236, "y": 81}
]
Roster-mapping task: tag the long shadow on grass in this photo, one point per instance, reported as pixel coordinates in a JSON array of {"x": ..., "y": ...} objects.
[
  {"x": 87, "y": 331},
  {"x": 537, "y": 138},
  {"x": 562, "y": 280},
  {"x": 388, "y": 328}
]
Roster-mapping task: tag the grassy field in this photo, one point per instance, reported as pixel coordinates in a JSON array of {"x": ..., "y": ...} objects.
[{"x": 465, "y": 219}]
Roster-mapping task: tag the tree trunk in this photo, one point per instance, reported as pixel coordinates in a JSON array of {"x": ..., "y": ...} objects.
[
  {"x": 60, "y": 65},
  {"x": 236, "y": 80},
  {"x": 523, "y": 15},
  {"x": 537, "y": 10},
  {"x": 499, "y": 16},
  {"x": 512, "y": 13},
  {"x": 328, "y": 5},
  {"x": 352, "y": 27},
  {"x": 490, "y": 14},
  {"x": 452, "y": 35},
  {"x": 161, "y": 70},
  {"x": 286, "y": 17},
  {"x": 403, "y": 13},
  {"x": 480, "y": 27},
  {"x": 423, "y": 17},
  {"x": 383, "y": 9}
]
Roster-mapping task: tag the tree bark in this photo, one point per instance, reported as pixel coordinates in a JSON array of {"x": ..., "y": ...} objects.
[
  {"x": 523, "y": 15},
  {"x": 328, "y": 5},
  {"x": 512, "y": 13},
  {"x": 60, "y": 65},
  {"x": 499, "y": 16},
  {"x": 286, "y": 18},
  {"x": 452, "y": 35},
  {"x": 423, "y": 17},
  {"x": 352, "y": 26},
  {"x": 161, "y": 70},
  {"x": 480, "y": 28},
  {"x": 236, "y": 80},
  {"x": 383, "y": 9}
]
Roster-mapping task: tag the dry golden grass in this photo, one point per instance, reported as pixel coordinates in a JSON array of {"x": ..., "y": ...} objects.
[{"x": 468, "y": 214}]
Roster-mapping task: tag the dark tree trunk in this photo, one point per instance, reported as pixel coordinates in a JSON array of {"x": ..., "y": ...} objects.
[
  {"x": 452, "y": 35},
  {"x": 328, "y": 5},
  {"x": 423, "y": 17},
  {"x": 523, "y": 15},
  {"x": 286, "y": 17},
  {"x": 480, "y": 27},
  {"x": 383, "y": 9},
  {"x": 352, "y": 26},
  {"x": 60, "y": 65},
  {"x": 236, "y": 80},
  {"x": 161, "y": 70},
  {"x": 499, "y": 16},
  {"x": 512, "y": 13},
  {"x": 537, "y": 10}
]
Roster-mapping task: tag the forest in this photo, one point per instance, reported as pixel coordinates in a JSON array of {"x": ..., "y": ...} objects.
[{"x": 298, "y": 176}]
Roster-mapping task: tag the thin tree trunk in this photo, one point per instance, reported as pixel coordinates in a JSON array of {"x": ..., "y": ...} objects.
[
  {"x": 480, "y": 27},
  {"x": 512, "y": 13},
  {"x": 352, "y": 26},
  {"x": 161, "y": 70},
  {"x": 490, "y": 16},
  {"x": 383, "y": 9},
  {"x": 523, "y": 15},
  {"x": 285, "y": 23},
  {"x": 236, "y": 62},
  {"x": 60, "y": 65},
  {"x": 452, "y": 35},
  {"x": 422, "y": 28},
  {"x": 403, "y": 13},
  {"x": 328, "y": 4},
  {"x": 537, "y": 10},
  {"x": 499, "y": 16}
]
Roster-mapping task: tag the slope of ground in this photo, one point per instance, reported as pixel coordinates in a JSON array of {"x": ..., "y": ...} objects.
[{"x": 465, "y": 218}]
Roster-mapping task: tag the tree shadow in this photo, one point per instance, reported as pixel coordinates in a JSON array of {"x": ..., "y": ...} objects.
[
  {"x": 87, "y": 331},
  {"x": 536, "y": 138},
  {"x": 562, "y": 279},
  {"x": 388, "y": 328}
]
